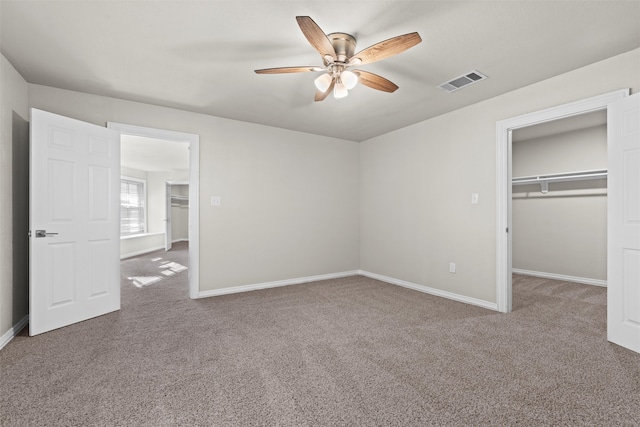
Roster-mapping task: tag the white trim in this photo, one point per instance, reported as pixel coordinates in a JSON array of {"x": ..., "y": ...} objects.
[
  {"x": 504, "y": 129},
  {"x": 15, "y": 330},
  {"x": 553, "y": 276},
  {"x": 133, "y": 236},
  {"x": 141, "y": 252},
  {"x": 179, "y": 240},
  {"x": 432, "y": 291},
  {"x": 390, "y": 280},
  {"x": 194, "y": 218},
  {"x": 194, "y": 190},
  {"x": 275, "y": 284}
]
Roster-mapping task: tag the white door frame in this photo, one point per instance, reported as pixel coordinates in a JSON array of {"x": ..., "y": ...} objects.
[
  {"x": 167, "y": 217},
  {"x": 194, "y": 190},
  {"x": 504, "y": 129}
]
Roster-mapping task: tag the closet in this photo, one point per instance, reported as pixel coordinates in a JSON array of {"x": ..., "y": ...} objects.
[
  {"x": 178, "y": 213},
  {"x": 559, "y": 199}
]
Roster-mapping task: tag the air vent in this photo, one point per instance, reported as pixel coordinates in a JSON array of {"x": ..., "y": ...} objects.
[{"x": 462, "y": 81}]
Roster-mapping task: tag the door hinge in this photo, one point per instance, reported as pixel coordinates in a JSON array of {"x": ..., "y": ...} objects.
[{"x": 507, "y": 230}]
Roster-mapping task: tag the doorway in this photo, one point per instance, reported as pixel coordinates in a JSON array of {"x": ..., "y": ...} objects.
[
  {"x": 559, "y": 199},
  {"x": 192, "y": 142},
  {"x": 177, "y": 213},
  {"x": 504, "y": 135}
]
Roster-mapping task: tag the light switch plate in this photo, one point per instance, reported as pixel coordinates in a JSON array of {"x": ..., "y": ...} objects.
[
  {"x": 474, "y": 198},
  {"x": 216, "y": 201}
]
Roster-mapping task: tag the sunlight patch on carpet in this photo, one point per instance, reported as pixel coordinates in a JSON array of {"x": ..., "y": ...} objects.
[
  {"x": 167, "y": 269},
  {"x": 174, "y": 266},
  {"x": 141, "y": 281}
]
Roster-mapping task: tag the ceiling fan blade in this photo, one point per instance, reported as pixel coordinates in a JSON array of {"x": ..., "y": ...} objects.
[
  {"x": 385, "y": 49},
  {"x": 316, "y": 36},
  {"x": 285, "y": 70},
  {"x": 321, "y": 96},
  {"x": 375, "y": 81}
]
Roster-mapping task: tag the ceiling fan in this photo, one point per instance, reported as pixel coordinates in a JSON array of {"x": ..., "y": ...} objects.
[{"x": 337, "y": 51}]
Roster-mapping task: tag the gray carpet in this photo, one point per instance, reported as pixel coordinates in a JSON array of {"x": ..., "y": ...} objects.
[{"x": 345, "y": 352}]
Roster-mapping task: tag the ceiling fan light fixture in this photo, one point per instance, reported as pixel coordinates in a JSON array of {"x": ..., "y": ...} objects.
[
  {"x": 337, "y": 52},
  {"x": 323, "y": 82},
  {"x": 340, "y": 91},
  {"x": 349, "y": 79}
]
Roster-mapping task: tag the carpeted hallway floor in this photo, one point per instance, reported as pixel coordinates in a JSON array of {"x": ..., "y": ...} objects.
[{"x": 345, "y": 352}]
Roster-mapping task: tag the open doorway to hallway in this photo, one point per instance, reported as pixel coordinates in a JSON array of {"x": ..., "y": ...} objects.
[
  {"x": 153, "y": 160},
  {"x": 153, "y": 212}
]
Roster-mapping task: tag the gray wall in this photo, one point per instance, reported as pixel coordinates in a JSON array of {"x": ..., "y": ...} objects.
[
  {"x": 564, "y": 231},
  {"x": 290, "y": 204},
  {"x": 156, "y": 205},
  {"x": 416, "y": 183},
  {"x": 296, "y": 205},
  {"x": 133, "y": 173},
  {"x": 14, "y": 188}
]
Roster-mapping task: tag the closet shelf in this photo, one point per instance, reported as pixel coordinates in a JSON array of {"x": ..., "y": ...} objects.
[{"x": 544, "y": 180}]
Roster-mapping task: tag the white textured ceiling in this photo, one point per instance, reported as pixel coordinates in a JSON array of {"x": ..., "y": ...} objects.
[
  {"x": 200, "y": 55},
  {"x": 567, "y": 124},
  {"x": 153, "y": 155}
]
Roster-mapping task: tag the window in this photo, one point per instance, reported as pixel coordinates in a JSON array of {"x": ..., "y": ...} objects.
[{"x": 132, "y": 206}]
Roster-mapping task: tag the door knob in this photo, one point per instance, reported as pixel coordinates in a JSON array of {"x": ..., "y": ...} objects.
[{"x": 43, "y": 233}]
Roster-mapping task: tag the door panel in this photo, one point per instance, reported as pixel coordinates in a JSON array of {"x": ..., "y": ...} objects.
[
  {"x": 631, "y": 294},
  {"x": 98, "y": 253},
  {"x": 74, "y": 197},
  {"x": 99, "y": 191},
  {"x": 61, "y": 178},
  {"x": 62, "y": 266},
  {"x": 623, "y": 291}
]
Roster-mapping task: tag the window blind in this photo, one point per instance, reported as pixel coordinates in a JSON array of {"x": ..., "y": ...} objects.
[{"x": 132, "y": 206}]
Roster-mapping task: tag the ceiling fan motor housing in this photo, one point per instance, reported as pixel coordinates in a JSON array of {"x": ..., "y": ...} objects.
[{"x": 344, "y": 45}]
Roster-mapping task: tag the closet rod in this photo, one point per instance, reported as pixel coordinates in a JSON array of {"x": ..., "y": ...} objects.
[
  {"x": 558, "y": 177},
  {"x": 544, "y": 180}
]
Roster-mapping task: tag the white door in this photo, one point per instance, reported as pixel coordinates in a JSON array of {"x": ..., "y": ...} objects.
[
  {"x": 167, "y": 221},
  {"x": 74, "y": 221},
  {"x": 623, "y": 282}
]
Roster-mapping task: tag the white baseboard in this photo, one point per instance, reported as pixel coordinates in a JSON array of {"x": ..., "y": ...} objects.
[
  {"x": 179, "y": 240},
  {"x": 583, "y": 280},
  {"x": 15, "y": 330},
  {"x": 265, "y": 285},
  {"x": 437, "y": 292},
  {"x": 141, "y": 252},
  {"x": 416, "y": 287}
]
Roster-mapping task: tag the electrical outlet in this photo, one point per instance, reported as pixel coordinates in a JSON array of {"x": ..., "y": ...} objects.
[{"x": 452, "y": 267}]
